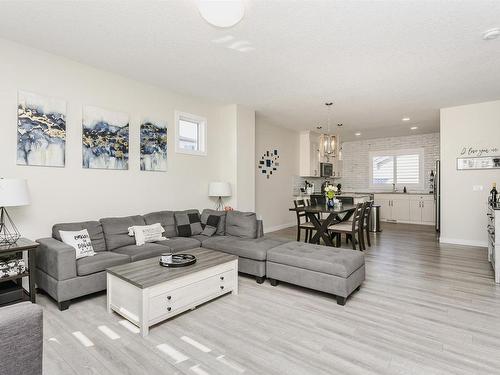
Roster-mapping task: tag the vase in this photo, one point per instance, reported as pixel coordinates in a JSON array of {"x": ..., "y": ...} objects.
[{"x": 330, "y": 203}]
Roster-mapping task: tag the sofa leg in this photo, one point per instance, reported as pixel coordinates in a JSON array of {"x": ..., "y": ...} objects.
[
  {"x": 63, "y": 305},
  {"x": 260, "y": 279},
  {"x": 274, "y": 282},
  {"x": 341, "y": 300}
]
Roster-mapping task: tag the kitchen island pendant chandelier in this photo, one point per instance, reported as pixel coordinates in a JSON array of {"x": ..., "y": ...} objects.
[{"x": 327, "y": 141}]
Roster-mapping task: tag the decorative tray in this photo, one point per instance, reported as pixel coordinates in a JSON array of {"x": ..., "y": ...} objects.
[{"x": 179, "y": 260}]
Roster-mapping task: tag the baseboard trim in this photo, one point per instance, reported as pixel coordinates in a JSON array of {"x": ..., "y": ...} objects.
[
  {"x": 278, "y": 227},
  {"x": 459, "y": 241}
]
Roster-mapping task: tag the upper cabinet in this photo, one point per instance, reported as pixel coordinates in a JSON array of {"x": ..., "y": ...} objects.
[{"x": 310, "y": 156}]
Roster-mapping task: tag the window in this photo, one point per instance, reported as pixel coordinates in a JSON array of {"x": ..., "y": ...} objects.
[
  {"x": 400, "y": 167},
  {"x": 190, "y": 137}
]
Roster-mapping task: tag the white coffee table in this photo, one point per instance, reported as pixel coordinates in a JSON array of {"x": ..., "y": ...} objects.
[{"x": 146, "y": 293}]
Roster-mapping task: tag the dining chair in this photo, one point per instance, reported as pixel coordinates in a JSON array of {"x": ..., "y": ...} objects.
[
  {"x": 366, "y": 222},
  {"x": 306, "y": 224},
  {"x": 352, "y": 229}
]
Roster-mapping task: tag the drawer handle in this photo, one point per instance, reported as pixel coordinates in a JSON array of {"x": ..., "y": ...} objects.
[
  {"x": 169, "y": 297},
  {"x": 169, "y": 308},
  {"x": 222, "y": 277},
  {"x": 222, "y": 287}
]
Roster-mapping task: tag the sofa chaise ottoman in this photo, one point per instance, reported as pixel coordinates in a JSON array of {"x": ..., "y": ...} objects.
[{"x": 328, "y": 269}]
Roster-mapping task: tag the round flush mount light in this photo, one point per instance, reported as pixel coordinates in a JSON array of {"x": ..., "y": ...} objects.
[
  {"x": 414, "y": 128},
  {"x": 357, "y": 134},
  {"x": 340, "y": 125},
  {"x": 405, "y": 119},
  {"x": 222, "y": 13},
  {"x": 491, "y": 33}
]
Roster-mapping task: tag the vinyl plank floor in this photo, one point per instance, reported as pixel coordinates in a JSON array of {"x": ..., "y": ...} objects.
[{"x": 425, "y": 308}]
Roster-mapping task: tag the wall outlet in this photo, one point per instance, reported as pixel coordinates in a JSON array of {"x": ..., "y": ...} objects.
[{"x": 477, "y": 188}]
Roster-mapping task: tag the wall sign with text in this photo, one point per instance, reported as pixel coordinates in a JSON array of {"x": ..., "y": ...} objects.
[{"x": 479, "y": 158}]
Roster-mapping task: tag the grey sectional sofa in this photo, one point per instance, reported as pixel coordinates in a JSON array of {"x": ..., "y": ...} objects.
[{"x": 64, "y": 278}]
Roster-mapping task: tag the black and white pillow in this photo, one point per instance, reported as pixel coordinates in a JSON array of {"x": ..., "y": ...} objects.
[
  {"x": 80, "y": 240},
  {"x": 188, "y": 224},
  {"x": 210, "y": 228}
]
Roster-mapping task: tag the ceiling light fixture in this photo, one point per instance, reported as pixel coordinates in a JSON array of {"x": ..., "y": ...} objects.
[
  {"x": 222, "y": 13},
  {"x": 357, "y": 134},
  {"x": 405, "y": 119},
  {"x": 491, "y": 33},
  {"x": 328, "y": 141},
  {"x": 414, "y": 128}
]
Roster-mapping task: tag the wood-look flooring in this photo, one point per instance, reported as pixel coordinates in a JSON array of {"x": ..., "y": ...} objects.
[{"x": 425, "y": 308}]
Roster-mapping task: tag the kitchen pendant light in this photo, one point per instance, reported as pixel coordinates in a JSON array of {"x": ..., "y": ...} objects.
[{"x": 327, "y": 141}]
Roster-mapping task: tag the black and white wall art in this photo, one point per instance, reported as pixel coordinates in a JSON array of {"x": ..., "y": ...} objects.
[
  {"x": 153, "y": 145},
  {"x": 41, "y": 130},
  {"x": 105, "y": 139},
  {"x": 269, "y": 163}
]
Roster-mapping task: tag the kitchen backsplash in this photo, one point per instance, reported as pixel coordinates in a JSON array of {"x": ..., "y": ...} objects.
[
  {"x": 356, "y": 161},
  {"x": 300, "y": 182}
]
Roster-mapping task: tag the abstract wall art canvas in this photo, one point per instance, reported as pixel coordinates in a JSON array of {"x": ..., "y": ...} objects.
[
  {"x": 269, "y": 163},
  {"x": 153, "y": 146},
  {"x": 105, "y": 142},
  {"x": 41, "y": 130}
]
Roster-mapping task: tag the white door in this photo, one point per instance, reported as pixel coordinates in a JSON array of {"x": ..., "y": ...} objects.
[
  {"x": 416, "y": 210},
  {"x": 428, "y": 212},
  {"x": 401, "y": 209}
]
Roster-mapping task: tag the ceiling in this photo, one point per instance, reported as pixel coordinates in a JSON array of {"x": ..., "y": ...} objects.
[{"x": 378, "y": 61}]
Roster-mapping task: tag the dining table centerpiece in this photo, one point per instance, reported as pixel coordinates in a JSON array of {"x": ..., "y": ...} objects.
[{"x": 330, "y": 191}]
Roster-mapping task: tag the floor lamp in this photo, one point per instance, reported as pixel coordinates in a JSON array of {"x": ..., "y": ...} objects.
[
  {"x": 219, "y": 190},
  {"x": 13, "y": 193}
]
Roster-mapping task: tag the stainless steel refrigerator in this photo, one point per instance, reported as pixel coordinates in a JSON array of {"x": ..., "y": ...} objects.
[{"x": 437, "y": 194}]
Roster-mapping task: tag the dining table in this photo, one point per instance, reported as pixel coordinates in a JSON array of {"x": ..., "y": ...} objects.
[{"x": 334, "y": 215}]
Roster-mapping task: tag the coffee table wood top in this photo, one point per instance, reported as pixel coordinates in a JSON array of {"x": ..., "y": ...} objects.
[{"x": 148, "y": 272}]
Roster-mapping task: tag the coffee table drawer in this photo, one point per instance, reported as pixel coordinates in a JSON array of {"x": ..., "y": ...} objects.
[{"x": 171, "y": 301}]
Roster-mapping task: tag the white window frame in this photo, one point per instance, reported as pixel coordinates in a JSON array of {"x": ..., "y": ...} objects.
[
  {"x": 395, "y": 153},
  {"x": 202, "y": 133}
]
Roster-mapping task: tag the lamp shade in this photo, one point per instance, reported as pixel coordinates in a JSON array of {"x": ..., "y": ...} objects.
[
  {"x": 219, "y": 189},
  {"x": 13, "y": 192}
]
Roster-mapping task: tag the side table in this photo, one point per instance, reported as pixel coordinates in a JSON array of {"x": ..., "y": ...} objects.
[{"x": 23, "y": 244}]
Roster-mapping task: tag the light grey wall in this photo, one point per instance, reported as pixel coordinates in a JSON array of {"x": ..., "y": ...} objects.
[
  {"x": 72, "y": 193},
  {"x": 463, "y": 208},
  {"x": 356, "y": 163},
  {"x": 273, "y": 196}
]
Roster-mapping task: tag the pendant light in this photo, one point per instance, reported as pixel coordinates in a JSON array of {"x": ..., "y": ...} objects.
[{"x": 328, "y": 141}]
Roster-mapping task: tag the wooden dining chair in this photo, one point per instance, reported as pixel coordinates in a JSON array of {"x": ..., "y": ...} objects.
[
  {"x": 352, "y": 229},
  {"x": 302, "y": 220},
  {"x": 366, "y": 222}
]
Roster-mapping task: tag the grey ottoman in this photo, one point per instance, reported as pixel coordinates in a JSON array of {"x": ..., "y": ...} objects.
[{"x": 327, "y": 269}]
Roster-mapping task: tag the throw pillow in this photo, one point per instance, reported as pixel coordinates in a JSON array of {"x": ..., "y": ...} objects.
[
  {"x": 210, "y": 228},
  {"x": 146, "y": 233},
  {"x": 80, "y": 241},
  {"x": 188, "y": 224}
]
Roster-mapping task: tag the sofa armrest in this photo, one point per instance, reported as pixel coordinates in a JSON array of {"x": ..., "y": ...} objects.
[
  {"x": 21, "y": 339},
  {"x": 260, "y": 228},
  {"x": 56, "y": 258}
]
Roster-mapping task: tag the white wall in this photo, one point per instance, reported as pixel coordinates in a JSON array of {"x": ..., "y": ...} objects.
[
  {"x": 73, "y": 193},
  {"x": 245, "y": 152},
  {"x": 273, "y": 196},
  {"x": 356, "y": 163},
  {"x": 463, "y": 210}
]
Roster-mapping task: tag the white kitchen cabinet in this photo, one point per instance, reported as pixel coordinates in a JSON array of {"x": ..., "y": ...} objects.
[{"x": 406, "y": 208}]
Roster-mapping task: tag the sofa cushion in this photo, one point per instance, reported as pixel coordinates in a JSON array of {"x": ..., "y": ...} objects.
[
  {"x": 221, "y": 228},
  {"x": 99, "y": 262},
  {"x": 148, "y": 250},
  {"x": 241, "y": 224},
  {"x": 116, "y": 230},
  {"x": 251, "y": 248},
  {"x": 188, "y": 223},
  {"x": 93, "y": 227},
  {"x": 330, "y": 260},
  {"x": 177, "y": 244},
  {"x": 166, "y": 219},
  {"x": 210, "y": 228}
]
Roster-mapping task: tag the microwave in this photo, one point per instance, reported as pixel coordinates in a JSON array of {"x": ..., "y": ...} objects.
[{"x": 326, "y": 169}]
